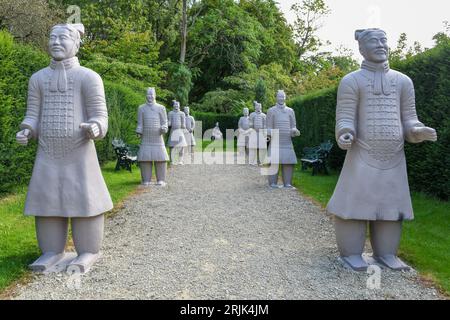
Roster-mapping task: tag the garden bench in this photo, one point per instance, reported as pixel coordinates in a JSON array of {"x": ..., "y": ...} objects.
[
  {"x": 126, "y": 154},
  {"x": 316, "y": 157}
]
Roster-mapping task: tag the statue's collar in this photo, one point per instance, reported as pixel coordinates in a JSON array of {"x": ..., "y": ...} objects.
[
  {"x": 375, "y": 66},
  {"x": 59, "y": 76},
  {"x": 65, "y": 64}
]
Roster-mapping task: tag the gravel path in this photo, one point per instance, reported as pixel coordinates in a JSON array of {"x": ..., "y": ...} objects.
[{"x": 218, "y": 232}]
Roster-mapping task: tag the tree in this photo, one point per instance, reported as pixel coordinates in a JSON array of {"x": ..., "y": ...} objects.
[
  {"x": 261, "y": 91},
  {"x": 29, "y": 20},
  {"x": 308, "y": 16}
]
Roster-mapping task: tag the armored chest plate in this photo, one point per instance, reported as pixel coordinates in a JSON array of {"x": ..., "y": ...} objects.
[
  {"x": 384, "y": 140},
  {"x": 57, "y": 121}
]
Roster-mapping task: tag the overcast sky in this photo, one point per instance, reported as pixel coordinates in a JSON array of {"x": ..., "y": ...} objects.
[{"x": 419, "y": 19}]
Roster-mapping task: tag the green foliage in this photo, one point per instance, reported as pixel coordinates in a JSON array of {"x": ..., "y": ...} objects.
[
  {"x": 209, "y": 121},
  {"x": 222, "y": 102},
  {"x": 179, "y": 82},
  {"x": 261, "y": 91},
  {"x": 29, "y": 20},
  {"x": 122, "y": 105},
  {"x": 428, "y": 163},
  {"x": 17, "y": 64},
  {"x": 316, "y": 114}
]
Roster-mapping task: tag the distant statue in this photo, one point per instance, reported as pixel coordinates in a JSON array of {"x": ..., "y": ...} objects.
[
  {"x": 216, "y": 133},
  {"x": 152, "y": 125},
  {"x": 258, "y": 136},
  {"x": 189, "y": 133},
  {"x": 243, "y": 134},
  {"x": 66, "y": 112},
  {"x": 375, "y": 114},
  {"x": 282, "y": 118},
  {"x": 177, "y": 141}
]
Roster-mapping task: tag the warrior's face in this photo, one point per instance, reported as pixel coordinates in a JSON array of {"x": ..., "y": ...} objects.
[
  {"x": 151, "y": 95},
  {"x": 374, "y": 47},
  {"x": 176, "y": 106},
  {"x": 64, "y": 43},
  {"x": 186, "y": 111},
  {"x": 246, "y": 112},
  {"x": 281, "y": 97},
  {"x": 258, "y": 107}
]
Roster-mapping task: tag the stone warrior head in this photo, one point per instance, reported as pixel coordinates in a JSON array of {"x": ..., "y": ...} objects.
[
  {"x": 246, "y": 112},
  {"x": 186, "y": 111},
  {"x": 176, "y": 105},
  {"x": 373, "y": 44},
  {"x": 65, "y": 41},
  {"x": 281, "y": 97},
  {"x": 151, "y": 95}
]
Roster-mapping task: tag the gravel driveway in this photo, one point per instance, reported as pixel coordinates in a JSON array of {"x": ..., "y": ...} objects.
[{"x": 218, "y": 232}]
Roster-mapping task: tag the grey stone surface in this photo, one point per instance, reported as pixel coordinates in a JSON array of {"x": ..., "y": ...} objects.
[{"x": 227, "y": 236}]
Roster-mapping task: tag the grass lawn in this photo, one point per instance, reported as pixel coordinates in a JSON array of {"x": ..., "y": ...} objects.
[
  {"x": 425, "y": 241},
  {"x": 18, "y": 245}
]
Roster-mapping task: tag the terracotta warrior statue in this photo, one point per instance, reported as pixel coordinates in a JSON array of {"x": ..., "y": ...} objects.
[
  {"x": 177, "y": 141},
  {"x": 66, "y": 112},
  {"x": 152, "y": 125},
  {"x": 258, "y": 136},
  {"x": 243, "y": 133},
  {"x": 216, "y": 134},
  {"x": 375, "y": 114},
  {"x": 189, "y": 133},
  {"x": 282, "y": 118}
]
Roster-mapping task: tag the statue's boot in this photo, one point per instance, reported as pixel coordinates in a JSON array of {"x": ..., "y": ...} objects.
[
  {"x": 160, "y": 168},
  {"x": 273, "y": 180},
  {"x": 351, "y": 238},
  {"x": 181, "y": 156},
  {"x": 385, "y": 239},
  {"x": 241, "y": 155},
  {"x": 51, "y": 234},
  {"x": 87, "y": 236},
  {"x": 262, "y": 153},
  {"x": 146, "y": 172},
  {"x": 287, "y": 172},
  {"x": 252, "y": 157}
]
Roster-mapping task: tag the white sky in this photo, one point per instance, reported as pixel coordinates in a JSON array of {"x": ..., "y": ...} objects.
[{"x": 419, "y": 19}]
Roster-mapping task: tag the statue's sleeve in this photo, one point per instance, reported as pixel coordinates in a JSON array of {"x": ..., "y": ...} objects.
[
  {"x": 192, "y": 123},
  {"x": 169, "y": 119},
  {"x": 347, "y": 102},
  {"x": 163, "y": 120},
  {"x": 95, "y": 102},
  {"x": 293, "y": 122},
  {"x": 251, "y": 121},
  {"x": 408, "y": 110},
  {"x": 183, "y": 121},
  {"x": 31, "y": 121},
  {"x": 140, "y": 124},
  {"x": 264, "y": 121},
  {"x": 270, "y": 122}
]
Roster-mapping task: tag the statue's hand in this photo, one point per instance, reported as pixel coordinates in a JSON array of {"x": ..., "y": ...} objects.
[
  {"x": 345, "y": 141},
  {"x": 91, "y": 128},
  {"x": 295, "y": 132},
  {"x": 23, "y": 136},
  {"x": 164, "y": 129},
  {"x": 424, "y": 133}
]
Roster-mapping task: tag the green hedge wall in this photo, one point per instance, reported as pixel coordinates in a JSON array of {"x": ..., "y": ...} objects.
[
  {"x": 209, "y": 120},
  {"x": 428, "y": 163},
  {"x": 17, "y": 64}
]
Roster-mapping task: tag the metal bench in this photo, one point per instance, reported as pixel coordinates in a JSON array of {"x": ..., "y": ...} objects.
[
  {"x": 126, "y": 155},
  {"x": 316, "y": 157}
]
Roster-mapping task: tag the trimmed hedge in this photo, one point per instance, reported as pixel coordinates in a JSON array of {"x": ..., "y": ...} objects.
[
  {"x": 209, "y": 120},
  {"x": 428, "y": 163}
]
